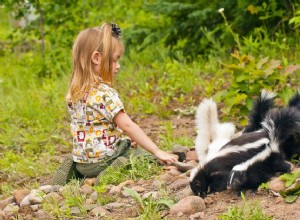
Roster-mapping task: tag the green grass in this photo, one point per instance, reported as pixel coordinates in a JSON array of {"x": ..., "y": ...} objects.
[{"x": 249, "y": 210}]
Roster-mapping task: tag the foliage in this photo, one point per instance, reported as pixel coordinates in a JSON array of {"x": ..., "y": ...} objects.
[
  {"x": 290, "y": 194},
  {"x": 73, "y": 199},
  {"x": 139, "y": 167},
  {"x": 248, "y": 78},
  {"x": 148, "y": 207},
  {"x": 249, "y": 210},
  {"x": 189, "y": 20}
]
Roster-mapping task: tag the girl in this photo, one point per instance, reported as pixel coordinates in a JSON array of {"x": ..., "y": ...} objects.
[{"x": 99, "y": 119}]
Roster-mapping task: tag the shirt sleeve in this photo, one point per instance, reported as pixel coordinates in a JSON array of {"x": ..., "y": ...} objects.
[{"x": 110, "y": 103}]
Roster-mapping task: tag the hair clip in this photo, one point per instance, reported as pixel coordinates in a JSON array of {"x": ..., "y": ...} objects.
[{"x": 116, "y": 30}]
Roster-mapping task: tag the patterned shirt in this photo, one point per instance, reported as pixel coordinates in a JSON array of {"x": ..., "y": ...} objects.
[{"x": 93, "y": 130}]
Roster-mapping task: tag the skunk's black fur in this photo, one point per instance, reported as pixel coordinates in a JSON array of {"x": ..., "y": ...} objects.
[{"x": 257, "y": 155}]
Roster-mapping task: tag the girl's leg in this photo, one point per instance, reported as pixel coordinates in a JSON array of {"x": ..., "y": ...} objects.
[{"x": 92, "y": 170}]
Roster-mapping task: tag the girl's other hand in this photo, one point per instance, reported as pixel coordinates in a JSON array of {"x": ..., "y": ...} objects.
[{"x": 166, "y": 158}]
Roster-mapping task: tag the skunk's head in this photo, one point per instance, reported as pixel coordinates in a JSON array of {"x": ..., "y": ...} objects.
[
  {"x": 198, "y": 182},
  {"x": 236, "y": 179}
]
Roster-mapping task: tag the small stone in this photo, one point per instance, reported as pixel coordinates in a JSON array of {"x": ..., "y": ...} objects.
[
  {"x": 94, "y": 196},
  {"x": 35, "y": 207},
  {"x": 11, "y": 208},
  {"x": 114, "y": 205},
  {"x": 125, "y": 183},
  {"x": 19, "y": 195},
  {"x": 183, "y": 167},
  {"x": 276, "y": 185},
  {"x": 179, "y": 183},
  {"x": 153, "y": 194},
  {"x": 189, "y": 205},
  {"x": 86, "y": 189},
  {"x": 100, "y": 211},
  {"x": 5, "y": 202},
  {"x": 90, "y": 181},
  {"x": 35, "y": 197},
  {"x": 197, "y": 216},
  {"x": 138, "y": 189},
  {"x": 115, "y": 190},
  {"x": 89, "y": 201},
  {"x": 46, "y": 188},
  {"x": 191, "y": 156}
]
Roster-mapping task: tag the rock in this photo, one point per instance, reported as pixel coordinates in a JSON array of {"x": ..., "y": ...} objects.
[
  {"x": 193, "y": 163},
  {"x": 99, "y": 211},
  {"x": 115, "y": 190},
  {"x": 276, "y": 185},
  {"x": 180, "y": 151},
  {"x": 188, "y": 205},
  {"x": 191, "y": 155},
  {"x": 41, "y": 215},
  {"x": 53, "y": 196},
  {"x": 138, "y": 189},
  {"x": 89, "y": 207},
  {"x": 46, "y": 188},
  {"x": 180, "y": 183},
  {"x": 183, "y": 167},
  {"x": 208, "y": 201},
  {"x": 35, "y": 197},
  {"x": 153, "y": 194},
  {"x": 89, "y": 201},
  {"x": 5, "y": 202},
  {"x": 166, "y": 178},
  {"x": 174, "y": 172},
  {"x": 86, "y": 189},
  {"x": 184, "y": 193},
  {"x": 56, "y": 188},
  {"x": 11, "y": 208},
  {"x": 114, "y": 205},
  {"x": 89, "y": 181},
  {"x": 125, "y": 183},
  {"x": 25, "y": 201},
  {"x": 19, "y": 195},
  {"x": 35, "y": 207},
  {"x": 94, "y": 196},
  {"x": 196, "y": 216}
]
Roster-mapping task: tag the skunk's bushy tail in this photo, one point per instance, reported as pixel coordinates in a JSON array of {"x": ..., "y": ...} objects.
[
  {"x": 206, "y": 121},
  {"x": 259, "y": 111}
]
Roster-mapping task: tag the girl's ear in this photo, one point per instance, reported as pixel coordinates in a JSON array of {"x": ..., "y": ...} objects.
[{"x": 96, "y": 57}]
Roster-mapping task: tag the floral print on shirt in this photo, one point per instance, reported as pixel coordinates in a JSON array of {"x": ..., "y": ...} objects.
[{"x": 93, "y": 130}]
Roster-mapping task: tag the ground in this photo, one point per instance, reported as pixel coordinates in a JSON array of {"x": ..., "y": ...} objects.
[{"x": 219, "y": 202}]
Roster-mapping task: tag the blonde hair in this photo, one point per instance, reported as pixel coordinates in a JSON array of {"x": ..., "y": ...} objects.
[{"x": 102, "y": 39}]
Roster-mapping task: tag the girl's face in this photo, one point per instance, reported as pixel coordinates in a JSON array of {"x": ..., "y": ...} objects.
[{"x": 116, "y": 65}]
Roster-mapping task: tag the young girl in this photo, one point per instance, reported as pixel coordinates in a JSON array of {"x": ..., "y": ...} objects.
[{"x": 99, "y": 119}]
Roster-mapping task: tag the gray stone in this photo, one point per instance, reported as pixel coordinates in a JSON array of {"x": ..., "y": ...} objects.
[
  {"x": 5, "y": 202},
  {"x": 189, "y": 205}
]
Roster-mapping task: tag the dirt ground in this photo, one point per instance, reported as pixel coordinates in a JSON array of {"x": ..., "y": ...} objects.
[
  {"x": 272, "y": 205},
  {"x": 219, "y": 202}
]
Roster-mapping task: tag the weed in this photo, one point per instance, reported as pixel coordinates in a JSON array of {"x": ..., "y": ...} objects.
[
  {"x": 148, "y": 207},
  {"x": 249, "y": 210}
]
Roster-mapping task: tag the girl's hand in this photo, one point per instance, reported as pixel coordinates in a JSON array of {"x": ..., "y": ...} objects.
[
  {"x": 166, "y": 158},
  {"x": 134, "y": 144}
]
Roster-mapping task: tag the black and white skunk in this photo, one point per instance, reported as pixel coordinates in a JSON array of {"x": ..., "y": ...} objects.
[{"x": 252, "y": 158}]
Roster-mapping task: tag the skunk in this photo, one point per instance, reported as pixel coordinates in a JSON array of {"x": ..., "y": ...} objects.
[{"x": 255, "y": 156}]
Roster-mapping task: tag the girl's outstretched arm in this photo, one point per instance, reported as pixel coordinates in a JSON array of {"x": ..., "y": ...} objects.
[{"x": 140, "y": 137}]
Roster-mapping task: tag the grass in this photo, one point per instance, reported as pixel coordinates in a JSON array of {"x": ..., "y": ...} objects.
[{"x": 249, "y": 210}]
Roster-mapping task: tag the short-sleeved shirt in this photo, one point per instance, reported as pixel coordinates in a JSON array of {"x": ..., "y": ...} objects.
[{"x": 93, "y": 130}]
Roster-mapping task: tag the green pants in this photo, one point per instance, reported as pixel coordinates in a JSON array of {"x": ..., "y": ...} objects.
[
  {"x": 71, "y": 170},
  {"x": 93, "y": 169}
]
